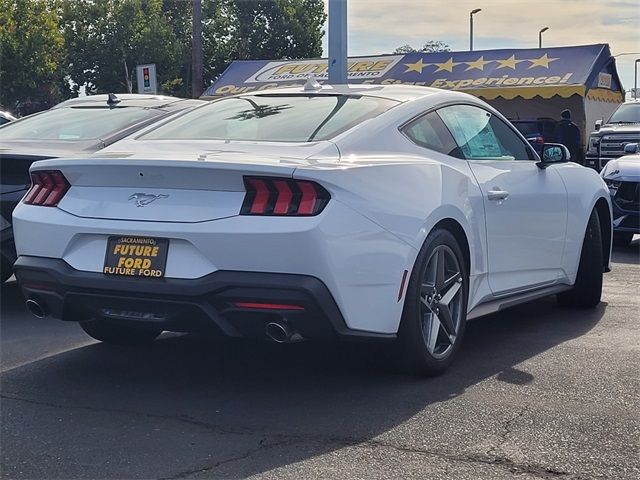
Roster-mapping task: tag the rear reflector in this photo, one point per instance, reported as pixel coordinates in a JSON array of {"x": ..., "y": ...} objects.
[
  {"x": 267, "y": 306},
  {"x": 47, "y": 188},
  {"x": 402, "y": 283},
  {"x": 283, "y": 197}
]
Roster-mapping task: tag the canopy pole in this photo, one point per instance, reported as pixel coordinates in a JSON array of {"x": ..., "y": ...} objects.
[{"x": 337, "y": 41}]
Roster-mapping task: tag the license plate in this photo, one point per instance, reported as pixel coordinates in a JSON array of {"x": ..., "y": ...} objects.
[{"x": 136, "y": 256}]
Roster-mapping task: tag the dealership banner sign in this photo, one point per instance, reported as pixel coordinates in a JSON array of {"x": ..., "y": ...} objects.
[{"x": 528, "y": 72}]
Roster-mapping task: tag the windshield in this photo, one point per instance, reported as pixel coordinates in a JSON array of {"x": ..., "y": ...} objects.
[
  {"x": 276, "y": 118},
  {"x": 626, "y": 113},
  {"x": 77, "y": 123}
]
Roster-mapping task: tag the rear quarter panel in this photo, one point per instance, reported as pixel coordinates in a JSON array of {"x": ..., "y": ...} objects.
[{"x": 407, "y": 190}]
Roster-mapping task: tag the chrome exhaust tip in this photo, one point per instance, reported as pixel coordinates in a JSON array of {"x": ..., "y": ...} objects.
[
  {"x": 37, "y": 310},
  {"x": 280, "y": 332}
]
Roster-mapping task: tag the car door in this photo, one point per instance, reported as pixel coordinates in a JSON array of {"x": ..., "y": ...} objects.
[{"x": 525, "y": 206}]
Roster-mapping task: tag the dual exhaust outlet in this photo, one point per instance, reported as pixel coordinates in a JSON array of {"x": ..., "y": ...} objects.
[
  {"x": 37, "y": 309},
  {"x": 279, "y": 331}
]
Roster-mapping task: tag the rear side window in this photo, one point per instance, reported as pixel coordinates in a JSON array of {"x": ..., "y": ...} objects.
[
  {"x": 429, "y": 132},
  {"x": 275, "y": 118},
  {"x": 482, "y": 136}
]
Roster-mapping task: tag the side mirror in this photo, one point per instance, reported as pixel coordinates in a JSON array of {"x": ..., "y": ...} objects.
[
  {"x": 598, "y": 125},
  {"x": 553, "y": 153},
  {"x": 632, "y": 148}
]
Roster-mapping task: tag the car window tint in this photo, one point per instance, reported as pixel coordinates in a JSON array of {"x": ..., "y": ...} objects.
[
  {"x": 482, "y": 136},
  {"x": 277, "y": 118},
  {"x": 429, "y": 132},
  {"x": 76, "y": 123}
]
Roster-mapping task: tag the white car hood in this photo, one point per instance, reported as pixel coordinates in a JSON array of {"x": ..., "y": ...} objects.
[{"x": 625, "y": 168}]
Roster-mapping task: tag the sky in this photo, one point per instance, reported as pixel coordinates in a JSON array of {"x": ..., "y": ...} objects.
[{"x": 380, "y": 26}]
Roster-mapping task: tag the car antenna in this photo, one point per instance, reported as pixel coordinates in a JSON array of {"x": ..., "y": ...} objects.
[
  {"x": 113, "y": 100},
  {"x": 312, "y": 84}
]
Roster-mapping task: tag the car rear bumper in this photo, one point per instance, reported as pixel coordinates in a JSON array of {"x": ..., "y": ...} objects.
[
  {"x": 626, "y": 221},
  {"x": 7, "y": 248},
  {"x": 206, "y": 304}
]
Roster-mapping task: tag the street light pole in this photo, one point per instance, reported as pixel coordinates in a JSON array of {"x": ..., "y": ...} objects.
[
  {"x": 542, "y": 30},
  {"x": 474, "y": 11},
  {"x": 635, "y": 77},
  {"x": 635, "y": 71}
]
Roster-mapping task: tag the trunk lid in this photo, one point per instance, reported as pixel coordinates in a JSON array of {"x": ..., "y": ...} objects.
[{"x": 202, "y": 186}]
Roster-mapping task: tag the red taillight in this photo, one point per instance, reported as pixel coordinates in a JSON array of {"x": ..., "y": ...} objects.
[
  {"x": 283, "y": 197},
  {"x": 47, "y": 188}
]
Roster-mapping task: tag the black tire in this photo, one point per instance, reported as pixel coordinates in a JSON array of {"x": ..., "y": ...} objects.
[
  {"x": 411, "y": 346},
  {"x": 120, "y": 334},
  {"x": 587, "y": 291},
  {"x": 622, "y": 239}
]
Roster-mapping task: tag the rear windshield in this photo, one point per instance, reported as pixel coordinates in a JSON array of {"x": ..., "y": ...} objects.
[
  {"x": 276, "y": 118},
  {"x": 76, "y": 123},
  {"x": 626, "y": 113}
]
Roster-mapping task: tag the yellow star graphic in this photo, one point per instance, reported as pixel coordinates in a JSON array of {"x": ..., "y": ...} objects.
[
  {"x": 510, "y": 62},
  {"x": 543, "y": 61},
  {"x": 448, "y": 65},
  {"x": 416, "y": 67},
  {"x": 479, "y": 64}
]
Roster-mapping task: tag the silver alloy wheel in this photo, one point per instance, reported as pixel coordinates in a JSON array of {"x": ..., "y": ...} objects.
[{"x": 441, "y": 300}]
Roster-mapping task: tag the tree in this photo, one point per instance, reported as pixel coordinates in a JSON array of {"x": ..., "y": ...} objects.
[
  {"x": 261, "y": 29},
  {"x": 430, "y": 47},
  {"x": 32, "y": 54},
  {"x": 106, "y": 39}
]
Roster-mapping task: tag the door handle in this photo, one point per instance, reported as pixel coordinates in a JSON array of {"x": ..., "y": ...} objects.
[{"x": 496, "y": 194}]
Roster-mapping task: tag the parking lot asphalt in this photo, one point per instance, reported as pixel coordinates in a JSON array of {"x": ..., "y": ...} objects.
[{"x": 536, "y": 392}]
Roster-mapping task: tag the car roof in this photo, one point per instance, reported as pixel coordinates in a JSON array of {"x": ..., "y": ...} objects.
[
  {"x": 400, "y": 93},
  {"x": 130, "y": 100}
]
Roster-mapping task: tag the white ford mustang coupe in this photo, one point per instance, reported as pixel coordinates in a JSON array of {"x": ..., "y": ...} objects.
[{"x": 355, "y": 212}]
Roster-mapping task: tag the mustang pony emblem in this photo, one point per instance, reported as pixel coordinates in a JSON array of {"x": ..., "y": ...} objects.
[{"x": 143, "y": 199}]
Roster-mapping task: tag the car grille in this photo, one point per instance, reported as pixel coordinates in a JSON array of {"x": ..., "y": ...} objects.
[
  {"x": 628, "y": 196},
  {"x": 612, "y": 146}
]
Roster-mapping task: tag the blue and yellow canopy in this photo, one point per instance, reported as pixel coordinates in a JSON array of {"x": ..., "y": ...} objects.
[{"x": 588, "y": 71}]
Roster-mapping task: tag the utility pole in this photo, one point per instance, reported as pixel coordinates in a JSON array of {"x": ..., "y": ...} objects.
[
  {"x": 337, "y": 41},
  {"x": 196, "y": 49},
  {"x": 471, "y": 14}
]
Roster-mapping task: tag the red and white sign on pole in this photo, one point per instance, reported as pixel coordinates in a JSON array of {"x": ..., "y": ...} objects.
[{"x": 147, "y": 81}]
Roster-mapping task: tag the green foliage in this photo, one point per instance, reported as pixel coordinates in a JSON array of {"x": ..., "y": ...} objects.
[
  {"x": 429, "y": 47},
  {"x": 31, "y": 53},
  {"x": 106, "y": 39},
  {"x": 50, "y": 48},
  {"x": 260, "y": 29}
]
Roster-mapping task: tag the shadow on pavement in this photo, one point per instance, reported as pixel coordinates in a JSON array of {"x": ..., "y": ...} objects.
[{"x": 184, "y": 391}]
